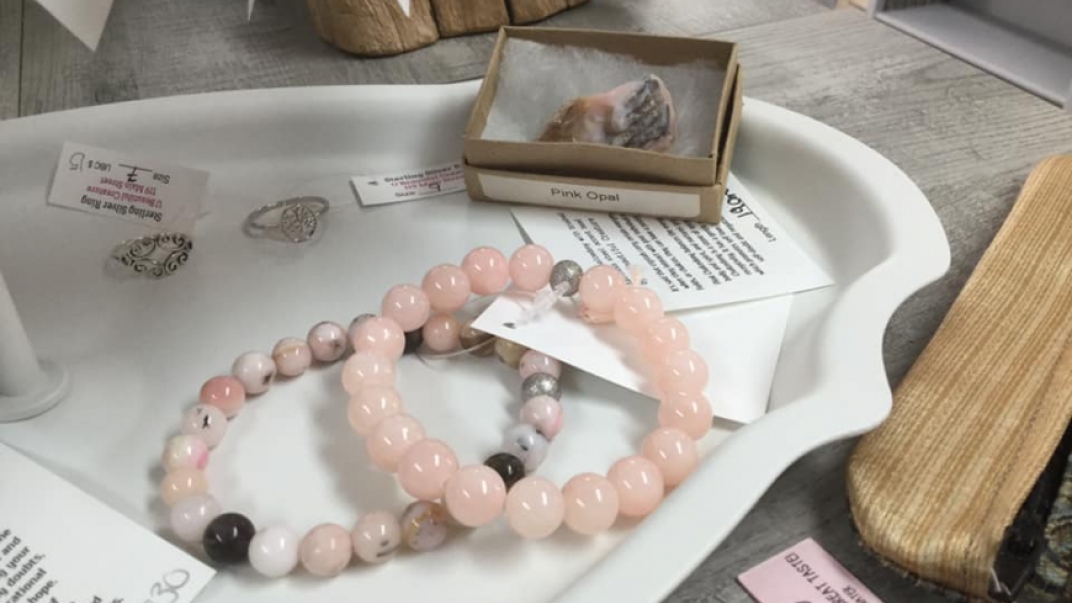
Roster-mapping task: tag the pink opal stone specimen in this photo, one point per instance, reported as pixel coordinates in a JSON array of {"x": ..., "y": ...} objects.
[
  {"x": 182, "y": 483},
  {"x": 638, "y": 114},
  {"x": 255, "y": 371},
  {"x": 530, "y": 268},
  {"x": 544, "y": 413},
  {"x": 442, "y": 333},
  {"x": 371, "y": 404},
  {"x": 691, "y": 413},
  {"x": 639, "y": 484},
  {"x": 326, "y": 550},
  {"x": 376, "y": 537},
  {"x": 381, "y": 335},
  {"x": 673, "y": 452},
  {"x": 292, "y": 356},
  {"x": 447, "y": 287},
  {"x": 185, "y": 452},
  {"x": 533, "y": 362},
  {"x": 591, "y": 504},
  {"x": 407, "y": 305},
  {"x": 391, "y": 439},
  {"x": 475, "y": 496},
  {"x": 425, "y": 468},
  {"x": 206, "y": 422},
  {"x": 327, "y": 341},
  {"x": 487, "y": 269},
  {"x": 367, "y": 368},
  {"x": 225, "y": 393},
  {"x": 535, "y": 508}
]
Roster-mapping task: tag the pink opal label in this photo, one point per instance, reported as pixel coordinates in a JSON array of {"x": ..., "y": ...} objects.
[{"x": 804, "y": 573}]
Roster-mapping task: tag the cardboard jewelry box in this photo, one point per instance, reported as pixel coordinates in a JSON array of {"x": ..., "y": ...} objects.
[{"x": 603, "y": 177}]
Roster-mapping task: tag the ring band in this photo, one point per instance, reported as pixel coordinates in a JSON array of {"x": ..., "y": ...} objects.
[
  {"x": 297, "y": 222},
  {"x": 155, "y": 256}
]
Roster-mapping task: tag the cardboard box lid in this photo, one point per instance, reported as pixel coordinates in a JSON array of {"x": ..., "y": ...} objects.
[{"x": 602, "y": 161}]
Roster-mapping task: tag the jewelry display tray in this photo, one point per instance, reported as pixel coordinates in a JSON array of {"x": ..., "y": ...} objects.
[{"x": 139, "y": 350}]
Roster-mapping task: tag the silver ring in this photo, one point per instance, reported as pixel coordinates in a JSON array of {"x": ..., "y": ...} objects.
[
  {"x": 154, "y": 256},
  {"x": 295, "y": 220}
]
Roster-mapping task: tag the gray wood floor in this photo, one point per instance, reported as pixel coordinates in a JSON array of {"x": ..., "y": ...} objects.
[{"x": 968, "y": 139}]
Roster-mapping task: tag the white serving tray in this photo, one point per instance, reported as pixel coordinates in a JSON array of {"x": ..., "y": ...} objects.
[{"x": 139, "y": 351}]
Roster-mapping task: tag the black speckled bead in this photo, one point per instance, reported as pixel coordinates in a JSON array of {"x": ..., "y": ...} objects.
[
  {"x": 509, "y": 467},
  {"x": 414, "y": 339},
  {"x": 227, "y": 538}
]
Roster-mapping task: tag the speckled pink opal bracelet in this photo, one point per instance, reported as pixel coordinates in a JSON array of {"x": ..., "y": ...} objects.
[
  {"x": 275, "y": 551},
  {"x": 477, "y": 495}
]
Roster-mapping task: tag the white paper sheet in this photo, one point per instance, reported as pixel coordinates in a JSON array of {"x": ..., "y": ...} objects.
[
  {"x": 84, "y": 18},
  {"x": 740, "y": 343},
  {"x": 59, "y": 544},
  {"x": 690, "y": 265}
]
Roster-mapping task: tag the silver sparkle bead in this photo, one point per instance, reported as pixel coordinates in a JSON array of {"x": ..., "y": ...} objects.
[
  {"x": 540, "y": 384},
  {"x": 567, "y": 271}
]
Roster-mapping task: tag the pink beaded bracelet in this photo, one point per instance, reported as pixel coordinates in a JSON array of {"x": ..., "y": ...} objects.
[{"x": 476, "y": 495}]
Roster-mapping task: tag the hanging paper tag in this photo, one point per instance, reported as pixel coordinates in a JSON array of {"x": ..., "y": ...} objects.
[
  {"x": 409, "y": 185},
  {"x": 805, "y": 573}
]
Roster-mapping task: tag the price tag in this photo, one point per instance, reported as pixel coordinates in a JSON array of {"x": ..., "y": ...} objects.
[
  {"x": 103, "y": 182},
  {"x": 409, "y": 185},
  {"x": 59, "y": 545}
]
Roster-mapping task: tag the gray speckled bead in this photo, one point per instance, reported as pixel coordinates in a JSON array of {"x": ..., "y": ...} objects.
[
  {"x": 524, "y": 442},
  {"x": 567, "y": 271},
  {"x": 540, "y": 384},
  {"x": 424, "y": 525}
]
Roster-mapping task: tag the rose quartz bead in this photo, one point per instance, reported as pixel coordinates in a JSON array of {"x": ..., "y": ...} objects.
[
  {"x": 673, "y": 452},
  {"x": 441, "y": 333},
  {"x": 447, "y": 287},
  {"x": 663, "y": 337},
  {"x": 225, "y": 393},
  {"x": 391, "y": 438},
  {"x": 533, "y": 362},
  {"x": 206, "y": 422},
  {"x": 370, "y": 405},
  {"x": 682, "y": 371},
  {"x": 535, "y": 507},
  {"x": 425, "y": 468},
  {"x": 182, "y": 483},
  {"x": 591, "y": 503},
  {"x": 292, "y": 356},
  {"x": 487, "y": 270},
  {"x": 407, "y": 305},
  {"x": 327, "y": 341},
  {"x": 255, "y": 371},
  {"x": 600, "y": 288},
  {"x": 185, "y": 452},
  {"x": 691, "y": 413},
  {"x": 380, "y": 334},
  {"x": 367, "y": 368},
  {"x": 639, "y": 485},
  {"x": 475, "y": 495},
  {"x": 530, "y": 268},
  {"x": 544, "y": 413},
  {"x": 325, "y": 551},
  {"x": 636, "y": 308},
  {"x": 376, "y": 537}
]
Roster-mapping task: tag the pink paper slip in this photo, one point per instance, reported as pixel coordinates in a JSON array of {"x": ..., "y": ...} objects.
[{"x": 804, "y": 573}]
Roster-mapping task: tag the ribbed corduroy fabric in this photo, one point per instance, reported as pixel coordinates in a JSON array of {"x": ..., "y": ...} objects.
[{"x": 980, "y": 413}]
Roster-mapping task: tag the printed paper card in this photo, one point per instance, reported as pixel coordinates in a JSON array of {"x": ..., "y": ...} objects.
[
  {"x": 59, "y": 545},
  {"x": 690, "y": 265},
  {"x": 106, "y": 183},
  {"x": 804, "y": 573},
  {"x": 740, "y": 343},
  {"x": 409, "y": 185}
]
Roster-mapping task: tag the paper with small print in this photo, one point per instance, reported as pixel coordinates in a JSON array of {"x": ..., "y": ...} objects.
[
  {"x": 59, "y": 545},
  {"x": 409, "y": 185},
  {"x": 99, "y": 181},
  {"x": 739, "y": 342},
  {"x": 689, "y": 264}
]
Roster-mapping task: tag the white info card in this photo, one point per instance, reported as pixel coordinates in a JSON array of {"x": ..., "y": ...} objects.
[{"x": 59, "y": 545}]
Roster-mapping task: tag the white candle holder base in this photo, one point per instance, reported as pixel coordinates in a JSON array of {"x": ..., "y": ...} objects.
[{"x": 55, "y": 387}]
